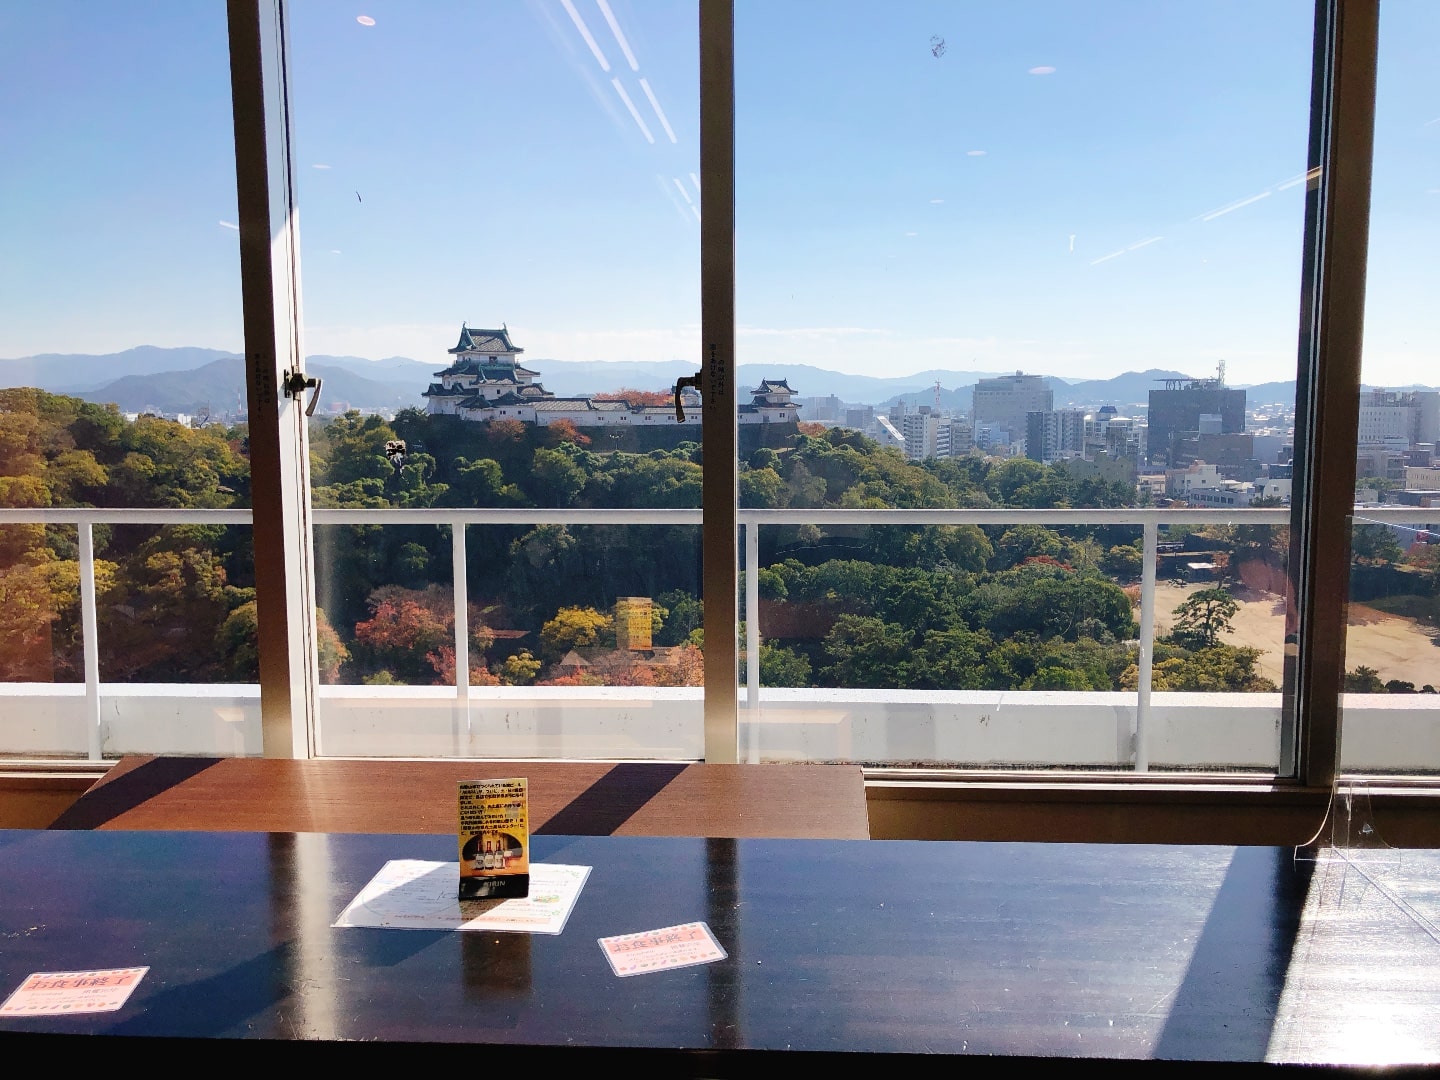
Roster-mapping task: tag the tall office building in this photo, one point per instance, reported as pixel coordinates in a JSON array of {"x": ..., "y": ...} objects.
[
  {"x": 1056, "y": 434},
  {"x": 1177, "y": 408},
  {"x": 1409, "y": 415},
  {"x": 1006, "y": 401}
]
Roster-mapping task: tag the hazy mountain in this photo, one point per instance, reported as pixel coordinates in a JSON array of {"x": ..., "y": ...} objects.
[
  {"x": 121, "y": 375},
  {"x": 68, "y": 373},
  {"x": 188, "y": 379},
  {"x": 219, "y": 387},
  {"x": 1270, "y": 393},
  {"x": 391, "y": 369},
  {"x": 1131, "y": 388}
]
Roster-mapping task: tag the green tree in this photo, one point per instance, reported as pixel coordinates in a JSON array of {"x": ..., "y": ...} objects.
[
  {"x": 762, "y": 489},
  {"x": 1364, "y": 680},
  {"x": 1021, "y": 542},
  {"x": 686, "y": 615},
  {"x": 1124, "y": 561},
  {"x": 780, "y": 666},
  {"x": 482, "y": 483},
  {"x": 556, "y": 478},
  {"x": 1203, "y": 616},
  {"x": 350, "y": 447},
  {"x": 520, "y": 669},
  {"x": 951, "y": 659},
  {"x": 575, "y": 627},
  {"x": 1375, "y": 544},
  {"x": 1214, "y": 669},
  {"x": 867, "y": 652}
]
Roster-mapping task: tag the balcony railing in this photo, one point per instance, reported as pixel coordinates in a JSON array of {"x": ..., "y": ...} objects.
[{"x": 1149, "y": 521}]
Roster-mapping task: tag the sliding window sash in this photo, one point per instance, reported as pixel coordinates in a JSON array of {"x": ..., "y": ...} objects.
[
  {"x": 279, "y": 457},
  {"x": 1337, "y": 232},
  {"x": 717, "y": 317}
]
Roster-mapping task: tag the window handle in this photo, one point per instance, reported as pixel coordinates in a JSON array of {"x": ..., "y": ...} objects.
[
  {"x": 297, "y": 382},
  {"x": 680, "y": 384}
]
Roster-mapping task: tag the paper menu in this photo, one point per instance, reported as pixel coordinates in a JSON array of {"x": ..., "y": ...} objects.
[{"x": 418, "y": 894}]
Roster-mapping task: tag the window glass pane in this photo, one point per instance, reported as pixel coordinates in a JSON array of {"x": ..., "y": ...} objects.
[
  {"x": 501, "y": 263},
  {"x": 1024, "y": 258},
  {"x": 122, "y": 388},
  {"x": 1392, "y": 674}
]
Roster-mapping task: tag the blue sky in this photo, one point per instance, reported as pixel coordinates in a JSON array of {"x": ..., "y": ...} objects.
[{"x": 1073, "y": 189}]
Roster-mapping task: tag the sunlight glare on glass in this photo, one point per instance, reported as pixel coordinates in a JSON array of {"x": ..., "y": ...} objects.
[{"x": 364, "y": 20}]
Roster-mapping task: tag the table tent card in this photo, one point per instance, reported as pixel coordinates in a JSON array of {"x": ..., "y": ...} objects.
[{"x": 494, "y": 836}]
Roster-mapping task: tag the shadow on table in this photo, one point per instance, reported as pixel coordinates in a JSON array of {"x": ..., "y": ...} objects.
[{"x": 1225, "y": 1007}]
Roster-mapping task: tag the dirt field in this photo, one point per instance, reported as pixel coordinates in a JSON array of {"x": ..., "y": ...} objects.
[{"x": 1395, "y": 647}]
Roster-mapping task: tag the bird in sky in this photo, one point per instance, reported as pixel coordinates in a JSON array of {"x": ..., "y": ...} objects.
[{"x": 357, "y": 197}]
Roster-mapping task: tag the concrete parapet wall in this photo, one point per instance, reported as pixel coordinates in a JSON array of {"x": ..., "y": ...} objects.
[{"x": 899, "y": 727}]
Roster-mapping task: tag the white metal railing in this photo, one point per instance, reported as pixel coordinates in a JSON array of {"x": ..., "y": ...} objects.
[{"x": 1149, "y": 520}]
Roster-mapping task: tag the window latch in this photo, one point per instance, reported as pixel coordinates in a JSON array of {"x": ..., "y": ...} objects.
[
  {"x": 295, "y": 385},
  {"x": 680, "y": 384}
]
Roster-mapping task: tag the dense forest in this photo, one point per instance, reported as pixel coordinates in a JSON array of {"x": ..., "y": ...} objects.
[{"x": 923, "y": 607}]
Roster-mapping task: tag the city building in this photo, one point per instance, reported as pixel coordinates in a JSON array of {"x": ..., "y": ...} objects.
[
  {"x": 1399, "y": 417},
  {"x": 1115, "y": 436},
  {"x": 827, "y": 409},
  {"x": 1002, "y": 404},
  {"x": 1186, "y": 482},
  {"x": 927, "y": 434},
  {"x": 1421, "y": 478},
  {"x": 1176, "y": 410},
  {"x": 1055, "y": 434}
]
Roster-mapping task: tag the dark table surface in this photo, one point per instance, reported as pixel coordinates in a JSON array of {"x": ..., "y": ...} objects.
[{"x": 914, "y": 948}]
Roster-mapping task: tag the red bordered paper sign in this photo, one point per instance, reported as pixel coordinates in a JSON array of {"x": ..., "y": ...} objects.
[
  {"x": 66, "y": 993},
  {"x": 660, "y": 950}
]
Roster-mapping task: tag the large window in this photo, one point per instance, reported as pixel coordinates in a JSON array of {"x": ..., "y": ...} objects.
[
  {"x": 1391, "y": 672},
  {"x": 127, "y": 599},
  {"x": 1026, "y": 259},
  {"x": 506, "y": 525},
  {"x": 1023, "y": 476}
]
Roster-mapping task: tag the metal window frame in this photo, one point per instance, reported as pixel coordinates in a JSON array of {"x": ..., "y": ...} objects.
[
  {"x": 1327, "y": 388},
  {"x": 1332, "y": 309},
  {"x": 719, "y": 493},
  {"x": 279, "y": 448}
]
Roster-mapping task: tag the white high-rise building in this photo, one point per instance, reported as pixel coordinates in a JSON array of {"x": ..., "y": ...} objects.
[
  {"x": 1394, "y": 415},
  {"x": 1005, "y": 401},
  {"x": 927, "y": 434}
]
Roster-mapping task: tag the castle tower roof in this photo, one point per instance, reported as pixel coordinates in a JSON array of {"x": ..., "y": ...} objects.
[{"x": 494, "y": 341}]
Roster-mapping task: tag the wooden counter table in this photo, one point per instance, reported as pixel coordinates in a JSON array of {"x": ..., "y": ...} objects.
[
  {"x": 899, "y": 955},
  {"x": 331, "y": 795}
]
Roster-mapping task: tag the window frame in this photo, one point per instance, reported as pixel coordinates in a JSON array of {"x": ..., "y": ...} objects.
[{"x": 1328, "y": 371}]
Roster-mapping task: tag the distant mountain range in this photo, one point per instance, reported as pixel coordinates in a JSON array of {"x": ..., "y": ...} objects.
[{"x": 193, "y": 380}]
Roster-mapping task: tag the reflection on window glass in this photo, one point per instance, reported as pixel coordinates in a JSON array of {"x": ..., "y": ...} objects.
[
  {"x": 1024, "y": 258},
  {"x": 1392, "y": 674},
  {"x": 121, "y": 384},
  {"x": 501, "y": 253}
]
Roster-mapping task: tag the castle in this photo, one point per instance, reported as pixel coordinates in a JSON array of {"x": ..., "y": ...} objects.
[{"x": 486, "y": 382}]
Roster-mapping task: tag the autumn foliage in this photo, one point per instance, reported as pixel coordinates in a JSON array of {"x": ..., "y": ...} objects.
[
  {"x": 638, "y": 397},
  {"x": 411, "y": 634}
]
